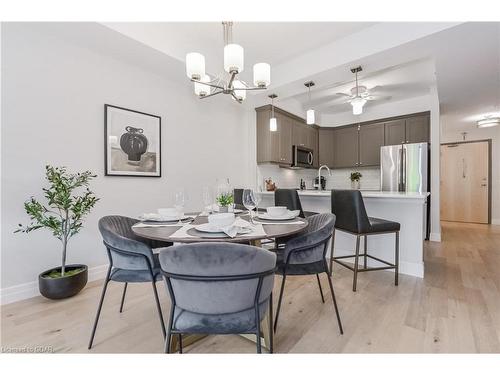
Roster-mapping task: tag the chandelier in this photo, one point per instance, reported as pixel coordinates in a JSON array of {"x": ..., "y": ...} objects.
[{"x": 227, "y": 82}]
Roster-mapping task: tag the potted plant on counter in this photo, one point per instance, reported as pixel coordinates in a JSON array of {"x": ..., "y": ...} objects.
[
  {"x": 355, "y": 179},
  {"x": 69, "y": 200}
]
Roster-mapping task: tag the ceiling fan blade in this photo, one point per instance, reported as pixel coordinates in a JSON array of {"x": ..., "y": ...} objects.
[{"x": 342, "y": 94}]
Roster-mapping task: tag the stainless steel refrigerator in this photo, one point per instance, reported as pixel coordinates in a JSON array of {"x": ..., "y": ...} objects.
[{"x": 404, "y": 167}]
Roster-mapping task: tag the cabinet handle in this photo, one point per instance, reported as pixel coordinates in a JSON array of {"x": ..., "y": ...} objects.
[{"x": 360, "y": 163}]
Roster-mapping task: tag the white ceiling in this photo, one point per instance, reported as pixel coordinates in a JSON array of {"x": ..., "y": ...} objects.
[
  {"x": 391, "y": 84},
  {"x": 271, "y": 42}
]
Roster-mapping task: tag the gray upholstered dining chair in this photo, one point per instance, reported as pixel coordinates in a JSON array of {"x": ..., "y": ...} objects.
[
  {"x": 131, "y": 260},
  {"x": 305, "y": 254},
  {"x": 218, "y": 288},
  {"x": 238, "y": 199}
]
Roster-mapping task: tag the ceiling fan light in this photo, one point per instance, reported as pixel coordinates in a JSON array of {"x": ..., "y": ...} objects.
[
  {"x": 233, "y": 58},
  {"x": 261, "y": 74},
  {"x": 310, "y": 118},
  {"x": 240, "y": 94},
  {"x": 195, "y": 65},
  {"x": 273, "y": 124},
  {"x": 201, "y": 89},
  {"x": 357, "y": 105},
  {"x": 488, "y": 122}
]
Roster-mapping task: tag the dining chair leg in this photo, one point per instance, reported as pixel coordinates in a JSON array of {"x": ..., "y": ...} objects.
[
  {"x": 331, "y": 252},
  {"x": 157, "y": 300},
  {"x": 180, "y": 342},
  {"x": 270, "y": 325},
  {"x": 365, "y": 243},
  {"x": 123, "y": 297},
  {"x": 396, "y": 270},
  {"x": 168, "y": 339},
  {"x": 279, "y": 302},
  {"x": 335, "y": 304},
  {"x": 320, "y": 290},
  {"x": 356, "y": 263},
  {"x": 99, "y": 307}
]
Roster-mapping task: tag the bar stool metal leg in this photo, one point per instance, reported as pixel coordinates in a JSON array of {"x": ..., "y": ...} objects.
[
  {"x": 365, "y": 242},
  {"x": 356, "y": 264},
  {"x": 396, "y": 270}
]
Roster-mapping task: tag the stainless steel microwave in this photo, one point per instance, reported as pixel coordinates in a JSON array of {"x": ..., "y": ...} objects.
[{"x": 302, "y": 157}]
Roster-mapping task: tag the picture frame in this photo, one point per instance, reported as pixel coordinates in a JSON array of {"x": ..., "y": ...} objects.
[{"x": 132, "y": 143}]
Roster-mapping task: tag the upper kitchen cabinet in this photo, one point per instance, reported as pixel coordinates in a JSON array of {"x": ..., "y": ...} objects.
[
  {"x": 325, "y": 146},
  {"x": 412, "y": 129},
  {"x": 371, "y": 138},
  {"x": 395, "y": 132},
  {"x": 417, "y": 129},
  {"x": 276, "y": 147},
  {"x": 345, "y": 147}
]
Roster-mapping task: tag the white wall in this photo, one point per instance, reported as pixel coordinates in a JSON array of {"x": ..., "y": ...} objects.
[{"x": 53, "y": 96}]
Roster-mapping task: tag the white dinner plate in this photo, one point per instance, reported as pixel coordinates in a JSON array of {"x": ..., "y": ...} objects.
[
  {"x": 235, "y": 211},
  {"x": 163, "y": 219},
  {"x": 289, "y": 216},
  {"x": 207, "y": 228}
]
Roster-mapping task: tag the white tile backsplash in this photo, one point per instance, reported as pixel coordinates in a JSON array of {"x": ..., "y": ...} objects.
[{"x": 290, "y": 178}]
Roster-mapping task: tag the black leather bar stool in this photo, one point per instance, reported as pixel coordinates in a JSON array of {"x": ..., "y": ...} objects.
[
  {"x": 349, "y": 208},
  {"x": 290, "y": 199}
]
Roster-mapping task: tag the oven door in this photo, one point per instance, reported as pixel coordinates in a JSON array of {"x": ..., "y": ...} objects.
[{"x": 302, "y": 157}]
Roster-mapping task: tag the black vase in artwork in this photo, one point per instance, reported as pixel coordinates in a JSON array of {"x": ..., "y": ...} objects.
[{"x": 134, "y": 143}]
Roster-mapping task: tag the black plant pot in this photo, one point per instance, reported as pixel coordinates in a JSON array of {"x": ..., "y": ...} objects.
[{"x": 63, "y": 287}]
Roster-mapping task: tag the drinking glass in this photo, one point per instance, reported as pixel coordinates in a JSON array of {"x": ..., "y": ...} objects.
[
  {"x": 249, "y": 202},
  {"x": 179, "y": 202},
  {"x": 258, "y": 199},
  {"x": 208, "y": 199}
]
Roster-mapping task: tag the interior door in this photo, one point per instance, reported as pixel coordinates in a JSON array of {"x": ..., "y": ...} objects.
[{"x": 465, "y": 182}]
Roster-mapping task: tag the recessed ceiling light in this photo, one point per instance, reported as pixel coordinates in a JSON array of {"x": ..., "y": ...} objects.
[{"x": 488, "y": 122}]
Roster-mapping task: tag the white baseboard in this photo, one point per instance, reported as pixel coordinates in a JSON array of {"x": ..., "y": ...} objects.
[
  {"x": 435, "y": 237},
  {"x": 28, "y": 290},
  {"x": 495, "y": 221}
]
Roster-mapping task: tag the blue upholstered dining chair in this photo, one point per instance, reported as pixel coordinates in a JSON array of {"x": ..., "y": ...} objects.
[
  {"x": 131, "y": 260},
  {"x": 305, "y": 254},
  {"x": 218, "y": 288}
]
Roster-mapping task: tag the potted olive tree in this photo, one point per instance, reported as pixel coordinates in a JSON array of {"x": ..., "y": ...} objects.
[{"x": 69, "y": 200}]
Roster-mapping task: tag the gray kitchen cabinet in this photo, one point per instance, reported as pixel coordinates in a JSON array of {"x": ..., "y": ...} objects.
[
  {"x": 268, "y": 142},
  {"x": 371, "y": 138},
  {"x": 395, "y": 132},
  {"x": 299, "y": 134},
  {"x": 345, "y": 147},
  {"x": 285, "y": 129},
  {"x": 417, "y": 129},
  {"x": 325, "y": 147}
]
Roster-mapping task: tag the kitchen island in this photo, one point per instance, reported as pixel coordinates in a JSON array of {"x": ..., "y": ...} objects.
[{"x": 408, "y": 209}]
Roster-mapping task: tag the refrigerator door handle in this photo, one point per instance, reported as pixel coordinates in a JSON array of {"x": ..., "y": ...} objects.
[
  {"x": 403, "y": 179},
  {"x": 400, "y": 169}
]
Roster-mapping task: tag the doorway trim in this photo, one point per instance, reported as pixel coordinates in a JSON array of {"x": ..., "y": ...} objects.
[{"x": 488, "y": 141}]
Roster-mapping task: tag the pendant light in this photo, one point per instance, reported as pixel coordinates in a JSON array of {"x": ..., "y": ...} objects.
[
  {"x": 358, "y": 102},
  {"x": 273, "y": 124},
  {"x": 310, "y": 118}
]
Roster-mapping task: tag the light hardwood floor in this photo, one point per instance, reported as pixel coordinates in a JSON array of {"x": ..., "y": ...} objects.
[{"x": 455, "y": 308}]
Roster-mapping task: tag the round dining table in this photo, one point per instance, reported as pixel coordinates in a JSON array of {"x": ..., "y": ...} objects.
[{"x": 271, "y": 231}]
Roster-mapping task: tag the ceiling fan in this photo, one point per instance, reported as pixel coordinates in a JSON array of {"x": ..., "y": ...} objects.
[{"x": 359, "y": 94}]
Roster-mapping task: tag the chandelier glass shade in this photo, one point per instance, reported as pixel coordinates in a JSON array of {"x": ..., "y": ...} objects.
[
  {"x": 310, "y": 118},
  {"x": 226, "y": 83}
]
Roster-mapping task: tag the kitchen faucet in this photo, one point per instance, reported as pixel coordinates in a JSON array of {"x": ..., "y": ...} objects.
[{"x": 319, "y": 174}]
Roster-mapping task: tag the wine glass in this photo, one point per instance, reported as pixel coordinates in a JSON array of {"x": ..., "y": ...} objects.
[
  {"x": 249, "y": 202},
  {"x": 208, "y": 199},
  {"x": 258, "y": 199},
  {"x": 179, "y": 202}
]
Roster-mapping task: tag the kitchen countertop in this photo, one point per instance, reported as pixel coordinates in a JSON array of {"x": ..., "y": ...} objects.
[{"x": 364, "y": 193}]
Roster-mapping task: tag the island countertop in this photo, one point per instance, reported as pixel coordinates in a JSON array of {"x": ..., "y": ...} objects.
[{"x": 364, "y": 193}]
